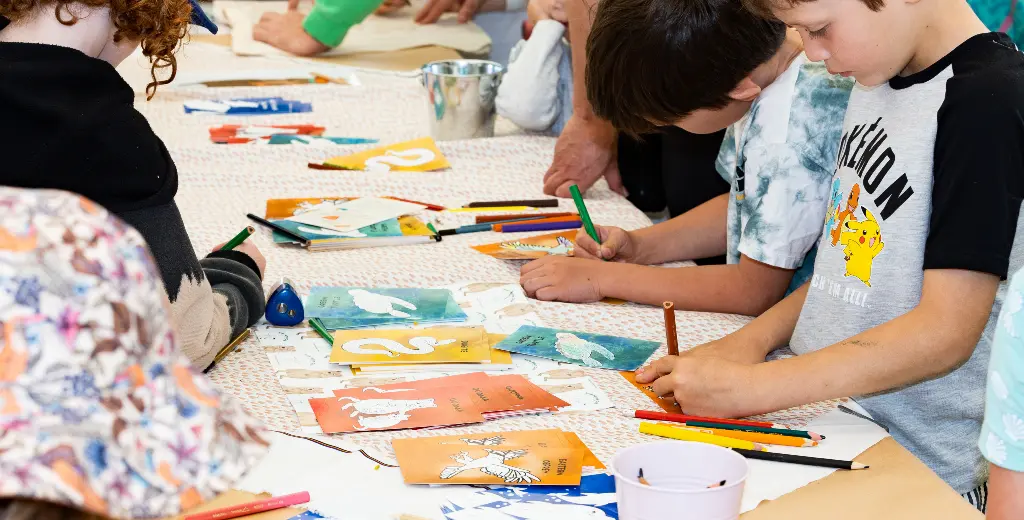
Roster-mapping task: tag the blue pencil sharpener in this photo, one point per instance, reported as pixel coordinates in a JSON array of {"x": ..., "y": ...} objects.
[{"x": 284, "y": 307}]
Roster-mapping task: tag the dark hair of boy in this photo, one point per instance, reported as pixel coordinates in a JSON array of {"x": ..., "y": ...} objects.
[
  {"x": 651, "y": 63},
  {"x": 764, "y": 8}
]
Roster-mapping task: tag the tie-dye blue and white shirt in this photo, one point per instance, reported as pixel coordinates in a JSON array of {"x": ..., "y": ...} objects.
[
  {"x": 779, "y": 160},
  {"x": 1002, "y": 433}
]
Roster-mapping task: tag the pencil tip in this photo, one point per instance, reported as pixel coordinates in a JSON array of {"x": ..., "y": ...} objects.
[{"x": 640, "y": 474}]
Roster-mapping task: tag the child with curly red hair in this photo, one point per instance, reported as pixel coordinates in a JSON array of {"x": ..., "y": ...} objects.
[{"x": 69, "y": 124}]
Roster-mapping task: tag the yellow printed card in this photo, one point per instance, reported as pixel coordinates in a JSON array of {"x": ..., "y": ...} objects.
[
  {"x": 418, "y": 155},
  {"x": 428, "y": 461},
  {"x": 411, "y": 346}
]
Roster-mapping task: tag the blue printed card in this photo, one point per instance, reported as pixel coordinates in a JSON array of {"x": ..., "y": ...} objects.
[
  {"x": 361, "y": 307},
  {"x": 581, "y": 348}
]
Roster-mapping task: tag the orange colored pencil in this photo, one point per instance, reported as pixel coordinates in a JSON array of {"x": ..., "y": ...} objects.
[
  {"x": 670, "y": 328},
  {"x": 499, "y": 227}
]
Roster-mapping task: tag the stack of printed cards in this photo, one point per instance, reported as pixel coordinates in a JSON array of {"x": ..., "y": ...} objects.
[
  {"x": 532, "y": 457},
  {"x": 429, "y": 403},
  {"x": 411, "y": 346},
  {"x": 344, "y": 308},
  {"x": 395, "y": 231},
  {"x": 593, "y": 499},
  {"x": 581, "y": 348}
]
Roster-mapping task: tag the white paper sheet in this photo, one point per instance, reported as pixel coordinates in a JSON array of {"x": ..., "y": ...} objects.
[
  {"x": 376, "y": 34},
  {"x": 347, "y": 486},
  {"x": 846, "y": 437},
  {"x": 355, "y": 214}
]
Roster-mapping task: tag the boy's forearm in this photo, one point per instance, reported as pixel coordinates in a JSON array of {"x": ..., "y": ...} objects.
[
  {"x": 712, "y": 288},
  {"x": 698, "y": 233},
  {"x": 929, "y": 341}
]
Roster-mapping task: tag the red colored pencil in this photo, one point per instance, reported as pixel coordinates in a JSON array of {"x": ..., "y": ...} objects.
[
  {"x": 431, "y": 207},
  {"x": 251, "y": 508},
  {"x": 680, "y": 418},
  {"x": 500, "y": 227}
]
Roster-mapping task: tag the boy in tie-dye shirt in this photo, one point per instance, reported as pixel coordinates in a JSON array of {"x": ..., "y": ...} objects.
[{"x": 703, "y": 66}]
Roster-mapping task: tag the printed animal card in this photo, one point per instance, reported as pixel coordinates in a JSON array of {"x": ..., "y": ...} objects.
[
  {"x": 355, "y": 214},
  {"x": 388, "y": 228},
  {"x": 431, "y": 345},
  {"x": 665, "y": 403},
  {"x": 581, "y": 348},
  {"x": 418, "y": 155},
  {"x": 550, "y": 438},
  {"x": 380, "y": 306},
  {"x": 593, "y": 499},
  {"x": 425, "y": 460},
  {"x": 285, "y": 208},
  {"x": 500, "y": 360},
  {"x": 562, "y": 244},
  {"x": 380, "y": 408}
]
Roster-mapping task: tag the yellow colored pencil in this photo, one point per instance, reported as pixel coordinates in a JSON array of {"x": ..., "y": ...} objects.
[
  {"x": 499, "y": 208},
  {"x": 673, "y": 432},
  {"x": 762, "y": 438}
]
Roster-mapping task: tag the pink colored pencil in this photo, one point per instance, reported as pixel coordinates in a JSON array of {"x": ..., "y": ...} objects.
[{"x": 251, "y": 508}]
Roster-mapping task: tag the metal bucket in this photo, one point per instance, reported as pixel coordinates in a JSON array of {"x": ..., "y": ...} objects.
[{"x": 460, "y": 95}]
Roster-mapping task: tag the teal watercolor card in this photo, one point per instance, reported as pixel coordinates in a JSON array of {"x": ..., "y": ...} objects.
[
  {"x": 373, "y": 306},
  {"x": 581, "y": 348}
]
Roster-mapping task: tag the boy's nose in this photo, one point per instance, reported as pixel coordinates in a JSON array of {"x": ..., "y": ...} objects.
[{"x": 816, "y": 51}]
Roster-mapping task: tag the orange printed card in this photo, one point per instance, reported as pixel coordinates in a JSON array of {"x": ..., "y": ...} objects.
[
  {"x": 425, "y": 460},
  {"x": 551, "y": 438},
  {"x": 380, "y": 408},
  {"x": 561, "y": 244},
  {"x": 410, "y": 346},
  {"x": 418, "y": 155},
  {"x": 525, "y": 395},
  {"x": 666, "y": 403},
  {"x": 286, "y": 208}
]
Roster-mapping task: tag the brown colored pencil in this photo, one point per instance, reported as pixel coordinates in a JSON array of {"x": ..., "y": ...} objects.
[
  {"x": 542, "y": 203},
  {"x": 670, "y": 328},
  {"x": 484, "y": 219}
]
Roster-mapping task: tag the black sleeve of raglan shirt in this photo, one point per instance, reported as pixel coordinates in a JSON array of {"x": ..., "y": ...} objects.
[
  {"x": 232, "y": 274},
  {"x": 979, "y": 172}
]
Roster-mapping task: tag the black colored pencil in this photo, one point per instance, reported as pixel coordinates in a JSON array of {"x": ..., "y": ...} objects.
[
  {"x": 543, "y": 203},
  {"x": 279, "y": 229},
  {"x": 800, "y": 459}
]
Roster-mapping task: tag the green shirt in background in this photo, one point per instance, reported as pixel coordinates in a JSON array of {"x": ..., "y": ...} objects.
[{"x": 330, "y": 20}]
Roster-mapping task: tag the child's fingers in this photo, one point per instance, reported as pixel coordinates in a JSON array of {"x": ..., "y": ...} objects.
[
  {"x": 293, "y": 5},
  {"x": 661, "y": 367},
  {"x": 535, "y": 283},
  {"x": 586, "y": 245},
  {"x": 534, "y": 265},
  {"x": 612, "y": 240},
  {"x": 467, "y": 11}
]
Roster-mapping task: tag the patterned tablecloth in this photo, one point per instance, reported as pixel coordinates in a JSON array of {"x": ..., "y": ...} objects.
[{"x": 219, "y": 184}]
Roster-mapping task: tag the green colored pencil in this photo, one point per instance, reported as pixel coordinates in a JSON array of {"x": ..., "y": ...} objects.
[
  {"x": 315, "y": 323},
  {"x": 745, "y": 428},
  {"x": 239, "y": 238},
  {"x": 588, "y": 225}
]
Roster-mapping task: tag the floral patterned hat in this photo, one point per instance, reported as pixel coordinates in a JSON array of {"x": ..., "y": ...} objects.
[{"x": 99, "y": 410}]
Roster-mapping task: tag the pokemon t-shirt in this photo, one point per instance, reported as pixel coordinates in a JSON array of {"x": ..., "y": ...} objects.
[{"x": 930, "y": 175}]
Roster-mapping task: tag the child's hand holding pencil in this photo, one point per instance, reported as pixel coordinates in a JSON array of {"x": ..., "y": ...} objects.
[
  {"x": 248, "y": 248},
  {"x": 616, "y": 244}
]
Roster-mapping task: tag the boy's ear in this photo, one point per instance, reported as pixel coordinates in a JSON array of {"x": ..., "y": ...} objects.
[{"x": 746, "y": 90}]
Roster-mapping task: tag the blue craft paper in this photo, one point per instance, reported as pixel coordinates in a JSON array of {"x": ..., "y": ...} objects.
[
  {"x": 250, "y": 106},
  {"x": 306, "y": 139},
  {"x": 599, "y": 490},
  {"x": 581, "y": 348}
]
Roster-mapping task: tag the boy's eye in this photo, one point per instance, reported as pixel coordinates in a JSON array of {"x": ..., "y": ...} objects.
[{"x": 819, "y": 33}]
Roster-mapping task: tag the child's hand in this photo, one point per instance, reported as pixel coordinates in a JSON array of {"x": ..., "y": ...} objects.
[
  {"x": 704, "y": 385},
  {"x": 546, "y": 10},
  {"x": 558, "y": 278},
  {"x": 616, "y": 244},
  {"x": 250, "y": 249},
  {"x": 284, "y": 31}
]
